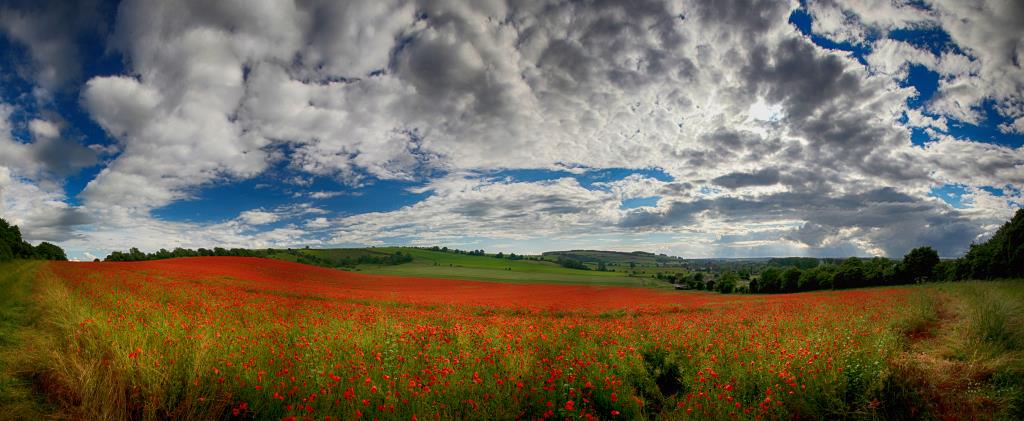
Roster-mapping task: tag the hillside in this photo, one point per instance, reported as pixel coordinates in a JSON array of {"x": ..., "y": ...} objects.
[
  {"x": 452, "y": 265},
  {"x": 620, "y": 258}
]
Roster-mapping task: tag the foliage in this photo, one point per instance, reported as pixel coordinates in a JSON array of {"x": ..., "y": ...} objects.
[
  {"x": 571, "y": 263},
  {"x": 5, "y": 252},
  {"x": 849, "y": 275},
  {"x": 47, "y": 251},
  {"x": 919, "y": 264},
  {"x": 1002, "y": 256},
  {"x": 727, "y": 282},
  {"x": 802, "y": 263},
  {"x": 12, "y": 246}
]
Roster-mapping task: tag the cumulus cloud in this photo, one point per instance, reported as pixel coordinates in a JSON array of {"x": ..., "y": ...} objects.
[
  {"x": 768, "y": 141},
  {"x": 46, "y": 155},
  {"x": 50, "y": 31},
  {"x": 42, "y": 214},
  {"x": 981, "y": 63},
  {"x": 258, "y": 217}
]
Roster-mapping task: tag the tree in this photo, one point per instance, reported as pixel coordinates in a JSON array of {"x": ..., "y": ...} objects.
[
  {"x": 876, "y": 270},
  {"x": 999, "y": 257},
  {"x": 945, "y": 271},
  {"x": 769, "y": 282},
  {"x": 12, "y": 246},
  {"x": 49, "y": 251},
  {"x": 790, "y": 280},
  {"x": 920, "y": 263},
  {"x": 820, "y": 277},
  {"x": 134, "y": 254},
  {"x": 571, "y": 263},
  {"x": 727, "y": 282},
  {"x": 11, "y": 236},
  {"x": 849, "y": 275}
]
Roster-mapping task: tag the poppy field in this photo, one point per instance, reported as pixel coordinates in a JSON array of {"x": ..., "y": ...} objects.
[{"x": 247, "y": 338}]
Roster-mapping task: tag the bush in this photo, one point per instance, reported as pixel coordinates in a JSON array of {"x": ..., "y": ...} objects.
[{"x": 5, "y": 252}]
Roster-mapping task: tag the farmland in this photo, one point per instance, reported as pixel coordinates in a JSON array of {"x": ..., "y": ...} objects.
[
  {"x": 448, "y": 265},
  {"x": 233, "y": 337}
]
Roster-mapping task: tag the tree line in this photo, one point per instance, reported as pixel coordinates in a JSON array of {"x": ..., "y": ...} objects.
[
  {"x": 12, "y": 246},
  {"x": 457, "y": 251},
  {"x": 1002, "y": 256},
  {"x": 134, "y": 254}
]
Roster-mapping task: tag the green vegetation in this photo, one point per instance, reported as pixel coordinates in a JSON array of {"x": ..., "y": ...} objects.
[
  {"x": 1002, "y": 256},
  {"x": 441, "y": 264},
  {"x": 12, "y": 246},
  {"x": 614, "y": 258},
  {"x": 134, "y": 254},
  {"x": 17, "y": 400},
  {"x": 968, "y": 358}
]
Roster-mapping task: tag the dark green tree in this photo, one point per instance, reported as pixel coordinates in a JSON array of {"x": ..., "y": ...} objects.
[
  {"x": 849, "y": 275},
  {"x": 789, "y": 281},
  {"x": 919, "y": 264},
  {"x": 5, "y": 252},
  {"x": 875, "y": 270},
  {"x": 49, "y": 251},
  {"x": 1002, "y": 256},
  {"x": 769, "y": 282},
  {"x": 727, "y": 282}
]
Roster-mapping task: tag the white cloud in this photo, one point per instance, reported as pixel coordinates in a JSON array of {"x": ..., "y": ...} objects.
[
  {"x": 258, "y": 217},
  {"x": 740, "y": 109}
]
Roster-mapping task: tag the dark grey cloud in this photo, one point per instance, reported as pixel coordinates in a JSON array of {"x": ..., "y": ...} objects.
[
  {"x": 764, "y": 177},
  {"x": 53, "y": 32},
  {"x": 893, "y": 221},
  {"x": 56, "y": 225}
]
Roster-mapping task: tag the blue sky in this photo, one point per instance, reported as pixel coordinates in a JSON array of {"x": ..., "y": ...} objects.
[{"x": 816, "y": 128}]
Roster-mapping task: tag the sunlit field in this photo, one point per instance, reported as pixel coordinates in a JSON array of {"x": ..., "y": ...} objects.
[{"x": 233, "y": 337}]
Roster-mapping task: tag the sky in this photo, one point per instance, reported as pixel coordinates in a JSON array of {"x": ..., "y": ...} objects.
[{"x": 727, "y": 128}]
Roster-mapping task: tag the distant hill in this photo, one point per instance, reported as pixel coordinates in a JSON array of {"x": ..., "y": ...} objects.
[
  {"x": 459, "y": 264},
  {"x": 639, "y": 258}
]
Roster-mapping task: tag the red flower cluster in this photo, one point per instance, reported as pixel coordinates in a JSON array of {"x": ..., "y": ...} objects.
[{"x": 270, "y": 339}]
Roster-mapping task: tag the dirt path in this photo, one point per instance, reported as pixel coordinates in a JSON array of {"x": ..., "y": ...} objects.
[{"x": 942, "y": 380}]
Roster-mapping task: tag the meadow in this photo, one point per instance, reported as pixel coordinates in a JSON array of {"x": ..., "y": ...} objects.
[{"x": 247, "y": 338}]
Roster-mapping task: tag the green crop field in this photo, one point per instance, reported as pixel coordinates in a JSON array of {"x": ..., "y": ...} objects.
[{"x": 439, "y": 264}]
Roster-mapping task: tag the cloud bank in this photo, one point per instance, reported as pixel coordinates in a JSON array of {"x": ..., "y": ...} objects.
[{"x": 768, "y": 141}]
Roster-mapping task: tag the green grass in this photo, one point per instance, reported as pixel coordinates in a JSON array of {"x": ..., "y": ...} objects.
[
  {"x": 968, "y": 357},
  {"x": 17, "y": 398},
  {"x": 438, "y": 264}
]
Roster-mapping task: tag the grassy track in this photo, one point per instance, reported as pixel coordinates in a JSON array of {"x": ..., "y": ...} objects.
[
  {"x": 17, "y": 400},
  {"x": 969, "y": 358}
]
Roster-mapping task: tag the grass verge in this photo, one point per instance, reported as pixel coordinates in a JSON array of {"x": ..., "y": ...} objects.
[
  {"x": 967, "y": 361},
  {"x": 18, "y": 398}
]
